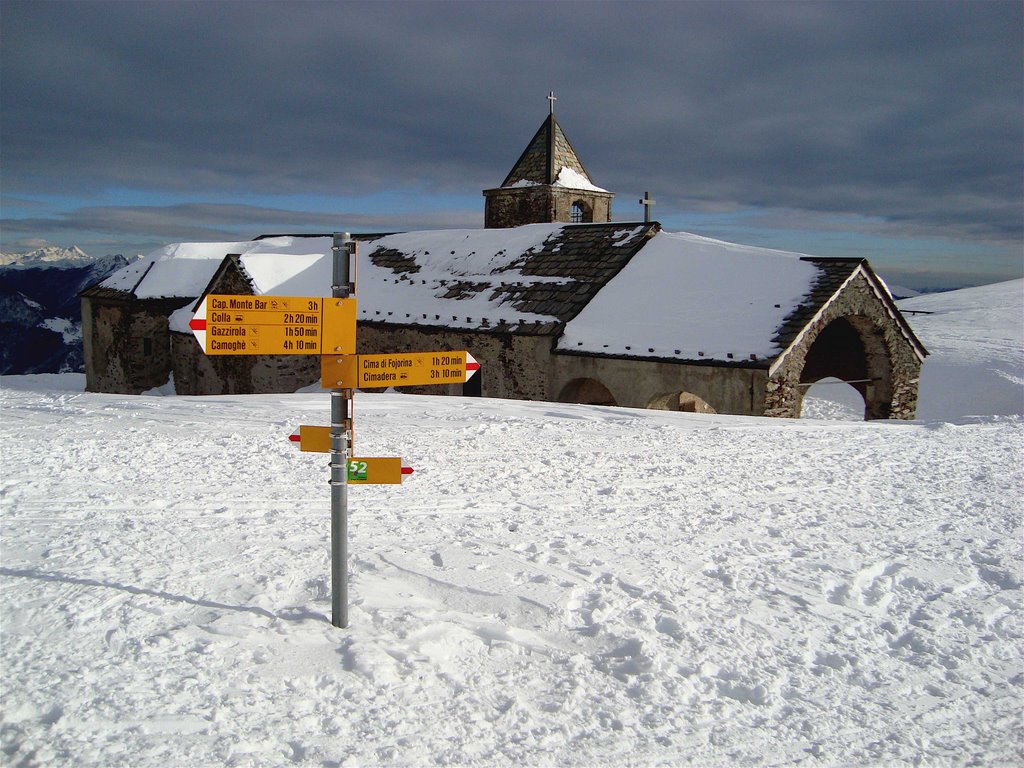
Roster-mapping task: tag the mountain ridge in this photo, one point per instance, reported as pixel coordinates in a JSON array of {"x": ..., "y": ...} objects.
[
  {"x": 40, "y": 312},
  {"x": 57, "y": 257}
]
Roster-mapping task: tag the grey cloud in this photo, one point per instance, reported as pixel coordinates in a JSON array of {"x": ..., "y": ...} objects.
[
  {"x": 906, "y": 111},
  {"x": 146, "y": 227}
]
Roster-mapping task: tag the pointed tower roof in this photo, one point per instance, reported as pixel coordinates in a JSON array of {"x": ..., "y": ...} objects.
[
  {"x": 548, "y": 183},
  {"x": 545, "y": 156}
]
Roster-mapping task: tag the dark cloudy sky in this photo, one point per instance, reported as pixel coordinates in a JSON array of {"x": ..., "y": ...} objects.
[{"x": 889, "y": 130}]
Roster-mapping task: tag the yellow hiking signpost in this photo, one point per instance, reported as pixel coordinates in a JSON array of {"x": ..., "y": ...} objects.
[
  {"x": 275, "y": 325},
  {"x": 396, "y": 370},
  {"x": 314, "y": 325},
  {"x": 378, "y": 470}
]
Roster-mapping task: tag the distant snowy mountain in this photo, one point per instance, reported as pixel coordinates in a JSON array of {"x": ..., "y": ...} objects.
[
  {"x": 40, "y": 313},
  {"x": 50, "y": 256}
]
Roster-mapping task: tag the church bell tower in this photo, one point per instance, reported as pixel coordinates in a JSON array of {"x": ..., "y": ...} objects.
[{"x": 548, "y": 183}]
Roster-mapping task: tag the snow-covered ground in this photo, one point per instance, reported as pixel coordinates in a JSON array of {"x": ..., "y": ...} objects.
[
  {"x": 976, "y": 340},
  {"x": 555, "y": 585}
]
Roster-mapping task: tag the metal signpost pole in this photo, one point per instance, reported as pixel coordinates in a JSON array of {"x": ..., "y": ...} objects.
[
  {"x": 311, "y": 325},
  {"x": 341, "y": 288}
]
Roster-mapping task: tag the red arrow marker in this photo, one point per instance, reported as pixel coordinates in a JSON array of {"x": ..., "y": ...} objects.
[
  {"x": 198, "y": 325},
  {"x": 472, "y": 366},
  {"x": 407, "y": 470}
]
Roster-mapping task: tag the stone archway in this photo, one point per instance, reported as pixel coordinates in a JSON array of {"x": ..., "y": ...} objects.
[
  {"x": 831, "y": 399},
  {"x": 856, "y": 336},
  {"x": 686, "y": 402},
  {"x": 580, "y": 212},
  {"x": 586, "y": 392},
  {"x": 852, "y": 349}
]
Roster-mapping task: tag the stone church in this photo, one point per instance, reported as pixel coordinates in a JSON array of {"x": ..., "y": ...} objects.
[{"x": 554, "y": 299}]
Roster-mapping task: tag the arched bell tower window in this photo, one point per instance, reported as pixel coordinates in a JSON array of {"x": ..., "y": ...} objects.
[{"x": 580, "y": 213}]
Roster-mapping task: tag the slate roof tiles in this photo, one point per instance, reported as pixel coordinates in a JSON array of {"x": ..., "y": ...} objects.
[
  {"x": 547, "y": 153},
  {"x": 554, "y": 281}
]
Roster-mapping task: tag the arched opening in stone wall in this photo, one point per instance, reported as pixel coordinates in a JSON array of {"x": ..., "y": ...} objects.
[
  {"x": 686, "y": 402},
  {"x": 832, "y": 400},
  {"x": 580, "y": 212},
  {"x": 852, "y": 349},
  {"x": 586, "y": 392}
]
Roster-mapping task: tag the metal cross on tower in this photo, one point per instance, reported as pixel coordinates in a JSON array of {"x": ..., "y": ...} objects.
[
  {"x": 646, "y": 202},
  {"x": 551, "y": 102}
]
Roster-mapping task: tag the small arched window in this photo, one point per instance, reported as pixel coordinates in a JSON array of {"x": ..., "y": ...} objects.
[{"x": 580, "y": 213}]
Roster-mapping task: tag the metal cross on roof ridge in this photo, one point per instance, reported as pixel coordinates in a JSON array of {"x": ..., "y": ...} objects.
[
  {"x": 646, "y": 202},
  {"x": 551, "y": 102}
]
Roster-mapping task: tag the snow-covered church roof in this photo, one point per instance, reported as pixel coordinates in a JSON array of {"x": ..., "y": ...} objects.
[
  {"x": 688, "y": 297},
  {"x": 183, "y": 270},
  {"x": 528, "y": 280},
  {"x": 622, "y": 290}
]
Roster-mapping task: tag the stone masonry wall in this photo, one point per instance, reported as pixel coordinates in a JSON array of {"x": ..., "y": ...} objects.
[
  {"x": 895, "y": 398},
  {"x": 198, "y": 374},
  {"x": 512, "y": 207},
  {"x": 515, "y": 367},
  {"x": 600, "y": 204},
  {"x": 128, "y": 346},
  {"x": 524, "y": 368},
  {"x": 636, "y": 383}
]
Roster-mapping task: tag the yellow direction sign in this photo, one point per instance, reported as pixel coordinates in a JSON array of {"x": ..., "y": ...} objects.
[
  {"x": 397, "y": 370},
  {"x": 369, "y": 471},
  {"x": 275, "y": 325},
  {"x": 377, "y": 471},
  {"x": 313, "y": 439}
]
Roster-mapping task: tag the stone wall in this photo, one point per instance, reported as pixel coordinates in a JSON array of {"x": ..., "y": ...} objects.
[
  {"x": 645, "y": 383},
  {"x": 514, "y": 367},
  {"x": 512, "y": 207},
  {"x": 889, "y": 357},
  {"x": 599, "y": 204},
  {"x": 126, "y": 344},
  {"x": 524, "y": 368},
  {"x": 198, "y": 374}
]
